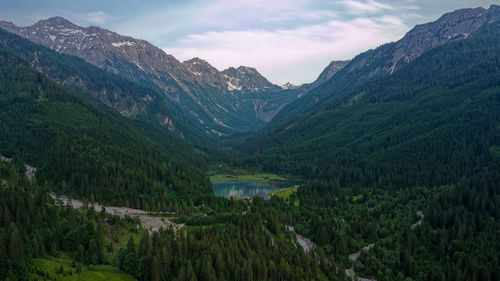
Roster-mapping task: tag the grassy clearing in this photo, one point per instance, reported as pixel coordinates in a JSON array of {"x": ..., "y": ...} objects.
[
  {"x": 123, "y": 239},
  {"x": 258, "y": 177},
  {"x": 286, "y": 194},
  {"x": 52, "y": 266}
]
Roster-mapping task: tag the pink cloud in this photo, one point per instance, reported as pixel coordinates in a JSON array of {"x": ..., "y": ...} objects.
[{"x": 296, "y": 55}]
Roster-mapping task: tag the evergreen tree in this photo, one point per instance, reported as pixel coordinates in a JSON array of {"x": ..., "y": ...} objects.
[{"x": 15, "y": 245}]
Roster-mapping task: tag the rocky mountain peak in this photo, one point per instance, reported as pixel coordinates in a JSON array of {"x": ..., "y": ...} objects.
[
  {"x": 451, "y": 26},
  {"x": 198, "y": 67},
  {"x": 247, "y": 78},
  {"x": 197, "y": 91},
  {"x": 56, "y": 21},
  {"x": 205, "y": 72},
  {"x": 456, "y": 25},
  {"x": 327, "y": 73},
  {"x": 289, "y": 86}
]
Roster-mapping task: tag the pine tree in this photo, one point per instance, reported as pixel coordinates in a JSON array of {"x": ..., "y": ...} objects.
[
  {"x": 155, "y": 268},
  {"x": 15, "y": 245},
  {"x": 92, "y": 252},
  {"x": 190, "y": 275},
  {"x": 145, "y": 245},
  {"x": 131, "y": 245}
]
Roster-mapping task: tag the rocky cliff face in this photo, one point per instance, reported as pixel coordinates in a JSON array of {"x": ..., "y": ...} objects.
[
  {"x": 452, "y": 26},
  {"x": 326, "y": 74},
  {"x": 247, "y": 79},
  {"x": 243, "y": 78},
  {"x": 200, "y": 96}
]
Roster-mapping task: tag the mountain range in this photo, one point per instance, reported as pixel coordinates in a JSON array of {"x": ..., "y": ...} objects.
[
  {"x": 396, "y": 152},
  {"x": 389, "y": 58},
  {"x": 407, "y": 113},
  {"x": 208, "y": 101}
]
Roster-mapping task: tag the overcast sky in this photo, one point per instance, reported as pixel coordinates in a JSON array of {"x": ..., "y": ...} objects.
[{"x": 286, "y": 40}]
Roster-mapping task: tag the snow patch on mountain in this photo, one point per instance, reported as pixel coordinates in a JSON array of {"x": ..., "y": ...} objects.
[
  {"x": 232, "y": 87},
  {"x": 120, "y": 44}
]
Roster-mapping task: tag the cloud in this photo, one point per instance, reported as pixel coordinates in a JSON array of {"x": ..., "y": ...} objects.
[
  {"x": 97, "y": 18},
  {"x": 297, "y": 55},
  {"x": 370, "y": 6}
]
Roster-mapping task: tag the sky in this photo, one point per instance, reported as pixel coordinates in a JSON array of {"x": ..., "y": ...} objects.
[{"x": 285, "y": 40}]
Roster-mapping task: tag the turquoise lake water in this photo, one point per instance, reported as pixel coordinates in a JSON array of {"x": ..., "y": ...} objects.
[{"x": 242, "y": 189}]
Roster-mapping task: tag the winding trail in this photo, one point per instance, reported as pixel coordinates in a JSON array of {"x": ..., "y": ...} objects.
[
  {"x": 420, "y": 214},
  {"x": 354, "y": 256},
  {"x": 305, "y": 242},
  {"x": 146, "y": 219}
]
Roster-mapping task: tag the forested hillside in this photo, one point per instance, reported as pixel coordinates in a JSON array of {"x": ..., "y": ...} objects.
[
  {"x": 31, "y": 227},
  {"x": 86, "y": 150},
  {"x": 454, "y": 238},
  {"x": 35, "y": 235},
  {"x": 126, "y": 97},
  {"x": 391, "y": 168},
  {"x": 431, "y": 123},
  {"x": 389, "y": 58}
]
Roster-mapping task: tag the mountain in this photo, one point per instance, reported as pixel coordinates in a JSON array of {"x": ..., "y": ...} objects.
[
  {"x": 289, "y": 85},
  {"x": 247, "y": 79},
  {"x": 432, "y": 122},
  {"x": 232, "y": 79},
  {"x": 389, "y": 58},
  {"x": 208, "y": 103},
  {"x": 85, "y": 149},
  {"x": 128, "y": 98},
  {"x": 326, "y": 74}
]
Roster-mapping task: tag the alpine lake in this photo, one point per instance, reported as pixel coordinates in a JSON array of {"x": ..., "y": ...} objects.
[{"x": 243, "y": 188}]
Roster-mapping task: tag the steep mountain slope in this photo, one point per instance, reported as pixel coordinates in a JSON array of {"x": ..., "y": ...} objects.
[
  {"x": 326, "y": 74},
  {"x": 86, "y": 149},
  {"x": 430, "y": 123},
  {"x": 209, "y": 102},
  {"x": 248, "y": 79},
  {"x": 128, "y": 98},
  {"x": 389, "y": 58}
]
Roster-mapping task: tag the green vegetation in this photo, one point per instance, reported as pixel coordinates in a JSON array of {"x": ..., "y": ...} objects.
[
  {"x": 32, "y": 228},
  {"x": 245, "y": 175},
  {"x": 430, "y": 123},
  {"x": 287, "y": 194},
  {"x": 233, "y": 240},
  {"x": 424, "y": 141},
  {"x": 456, "y": 240},
  {"x": 112, "y": 90},
  {"x": 250, "y": 247},
  {"x": 84, "y": 149},
  {"x": 65, "y": 269}
]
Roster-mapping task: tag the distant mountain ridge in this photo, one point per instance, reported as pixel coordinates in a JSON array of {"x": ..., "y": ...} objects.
[
  {"x": 242, "y": 78},
  {"x": 126, "y": 97},
  {"x": 389, "y": 58},
  {"x": 326, "y": 74},
  {"x": 200, "y": 96}
]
